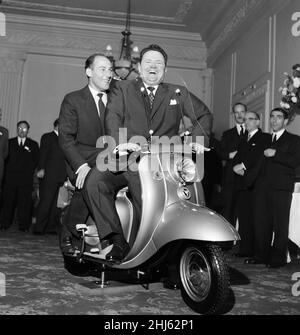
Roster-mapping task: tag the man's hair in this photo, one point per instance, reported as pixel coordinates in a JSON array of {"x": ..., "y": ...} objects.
[
  {"x": 56, "y": 123},
  {"x": 239, "y": 104},
  {"x": 255, "y": 113},
  {"x": 283, "y": 111},
  {"x": 28, "y": 125},
  {"x": 154, "y": 47},
  {"x": 90, "y": 60}
]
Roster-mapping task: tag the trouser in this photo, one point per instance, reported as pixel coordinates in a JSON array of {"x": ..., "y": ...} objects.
[
  {"x": 76, "y": 213},
  {"x": 100, "y": 190},
  {"x": 229, "y": 198},
  {"x": 20, "y": 197},
  {"x": 47, "y": 219},
  {"x": 272, "y": 210},
  {"x": 245, "y": 217}
]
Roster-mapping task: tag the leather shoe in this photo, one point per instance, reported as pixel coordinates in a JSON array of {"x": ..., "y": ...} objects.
[
  {"x": 253, "y": 261},
  {"x": 67, "y": 247},
  {"x": 275, "y": 265},
  {"x": 118, "y": 252}
]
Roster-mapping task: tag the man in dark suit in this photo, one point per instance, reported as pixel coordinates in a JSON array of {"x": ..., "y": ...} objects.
[
  {"x": 230, "y": 142},
  {"x": 247, "y": 165},
  {"x": 3, "y": 151},
  {"x": 81, "y": 123},
  {"x": 274, "y": 193},
  {"x": 52, "y": 172},
  {"x": 145, "y": 107},
  {"x": 18, "y": 181}
]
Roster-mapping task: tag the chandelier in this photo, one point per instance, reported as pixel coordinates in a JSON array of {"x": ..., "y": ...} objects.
[{"x": 125, "y": 66}]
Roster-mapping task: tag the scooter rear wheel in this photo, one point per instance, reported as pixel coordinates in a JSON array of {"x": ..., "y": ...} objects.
[{"x": 204, "y": 277}]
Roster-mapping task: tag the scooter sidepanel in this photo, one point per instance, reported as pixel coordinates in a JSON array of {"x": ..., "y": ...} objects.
[{"x": 188, "y": 221}]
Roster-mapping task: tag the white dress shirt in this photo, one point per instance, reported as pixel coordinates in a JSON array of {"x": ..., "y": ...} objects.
[
  {"x": 96, "y": 97},
  {"x": 21, "y": 140},
  {"x": 278, "y": 134}
]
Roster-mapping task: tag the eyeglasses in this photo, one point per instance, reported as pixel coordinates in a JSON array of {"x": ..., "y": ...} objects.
[{"x": 250, "y": 118}]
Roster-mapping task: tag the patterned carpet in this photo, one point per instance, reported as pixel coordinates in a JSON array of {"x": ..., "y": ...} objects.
[{"x": 37, "y": 283}]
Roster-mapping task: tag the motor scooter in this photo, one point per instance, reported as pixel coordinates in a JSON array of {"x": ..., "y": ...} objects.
[{"x": 177, "y": 237}]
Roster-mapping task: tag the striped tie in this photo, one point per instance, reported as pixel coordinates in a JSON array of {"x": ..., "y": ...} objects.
[{"x": 151, "y": 95}]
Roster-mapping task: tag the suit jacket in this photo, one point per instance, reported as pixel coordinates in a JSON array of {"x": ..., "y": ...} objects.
[
  {"x": 251, "y": 154},
  {"x": 52, "y": 159},
  {"x": 129, "y": 107},
  {"x": 3, "y": 150},
  {"x": 21, "y": 162},
  {"x": 229, "y": 143},
  {"x": 279, "y": 171},
  {"x": 79, "y": 129}
]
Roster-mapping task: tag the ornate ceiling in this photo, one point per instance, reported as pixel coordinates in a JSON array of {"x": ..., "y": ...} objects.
[
  {"x": 197, "y": 16},
  {"x": 202, "y": 24}
]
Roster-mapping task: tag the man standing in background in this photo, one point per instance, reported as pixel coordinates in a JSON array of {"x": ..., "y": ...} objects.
[
  {"x": 230, "y": 142},
  {"x": 52, "y": 172},
  {"x": 247, "y": 166},
  {"x": 18, "y": 181},
  {"x": 273, "y": 196},
  {"x": 3, "y": 152}
]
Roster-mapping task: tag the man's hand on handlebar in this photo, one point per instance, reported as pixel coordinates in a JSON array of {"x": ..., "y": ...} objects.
[
  {"x": 198, "y": 148},
  {"x": 124, "y": 148}
]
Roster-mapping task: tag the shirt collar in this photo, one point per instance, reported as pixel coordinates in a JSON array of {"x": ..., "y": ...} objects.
[
  {"x": 95, "y": 92},
  {"x": 238, "y": 127},
  {"x": 56, "y": 132},
  {"x": 96, "y": 97},
  {"x": 21, "y": 139},
  {"x": 155, "y": 88},
  {"x": 278, "y": 133},
  {"x": 253, "y": 132}
]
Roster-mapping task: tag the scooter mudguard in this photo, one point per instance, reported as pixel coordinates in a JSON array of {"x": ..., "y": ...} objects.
[{"x": 183, "y": 220}]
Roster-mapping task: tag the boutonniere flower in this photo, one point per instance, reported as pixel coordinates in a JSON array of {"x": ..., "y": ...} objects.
[
  {"x": 177, "y": 91},
  {"x": 26, "y": 148}
]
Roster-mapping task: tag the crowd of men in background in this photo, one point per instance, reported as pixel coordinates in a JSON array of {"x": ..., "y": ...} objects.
[{"x": 22, "y": 164}]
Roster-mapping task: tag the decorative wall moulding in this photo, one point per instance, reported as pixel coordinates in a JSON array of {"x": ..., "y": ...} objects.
[
  {"x": 233, "y": 25},
  {"x": 11, "y": 65},
  {"x": 98, "y": 14},
  {"x": 61, "y": 37},
  {"x": 246, "y": 7},
  {"x": 247, "y": 96}
]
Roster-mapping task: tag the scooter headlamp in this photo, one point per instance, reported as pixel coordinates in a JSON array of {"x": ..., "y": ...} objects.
[{"x": 185, "y": 169}]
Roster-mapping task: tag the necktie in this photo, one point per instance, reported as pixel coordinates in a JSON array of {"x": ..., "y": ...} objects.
[
  {"x": 151, "y": 95},
  {"x": 242, "y": 131},
  {"x": 21, "y": 143},
  {"x": 274, "y": 139},
  {"x": 249, "y": 137},
  {"x": 101, "y": 105}
]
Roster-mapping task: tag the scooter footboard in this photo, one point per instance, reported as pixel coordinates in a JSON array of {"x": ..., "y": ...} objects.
[{"x": 189, "y": 221}]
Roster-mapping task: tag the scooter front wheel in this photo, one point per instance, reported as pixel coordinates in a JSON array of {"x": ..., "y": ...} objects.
[{"x": 204, "y": 277}]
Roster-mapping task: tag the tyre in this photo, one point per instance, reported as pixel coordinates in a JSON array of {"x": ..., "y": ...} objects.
[{"x": 204, "y": 277}]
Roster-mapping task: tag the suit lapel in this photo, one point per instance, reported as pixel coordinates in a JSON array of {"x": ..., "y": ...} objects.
[
  {"x": 254, "y": 137},
  {"x": 92, "y": 111},
  {"x": 142, "y": 96},
  {"x": 160, "y": 96}
]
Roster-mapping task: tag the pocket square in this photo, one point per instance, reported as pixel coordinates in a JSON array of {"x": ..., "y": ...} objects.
[
  {"x": 253, "y": 144},
  {"x": 173, "y": 102}
]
